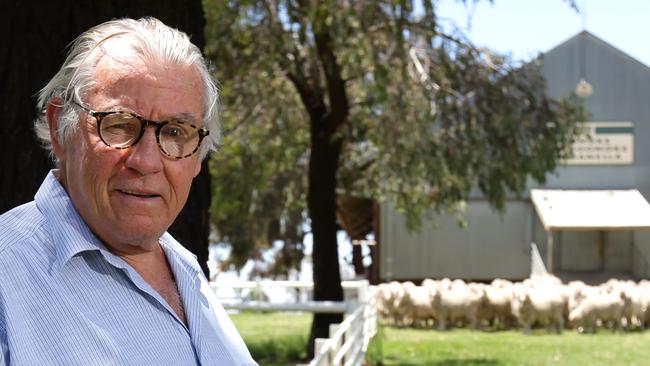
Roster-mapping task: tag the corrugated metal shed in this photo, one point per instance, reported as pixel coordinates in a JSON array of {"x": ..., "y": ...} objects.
[
  {"x": 621, "y": 90},
  {"x": 496, "y": 245}
]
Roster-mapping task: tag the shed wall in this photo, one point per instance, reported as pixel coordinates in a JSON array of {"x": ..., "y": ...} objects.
[
  {"x": 498, "y": 246},
  {"x": 491, "y": 246}
]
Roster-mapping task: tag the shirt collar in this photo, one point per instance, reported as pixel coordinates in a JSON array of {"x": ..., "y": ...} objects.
[
  {"x": 175, "y": 252},
  {"x": 71, "y": 235},
  {"x": 69, "y": 232}
]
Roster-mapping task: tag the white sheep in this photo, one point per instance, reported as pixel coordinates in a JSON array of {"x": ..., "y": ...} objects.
[
  {"x": 457, "y": 304},
  {"x": 421, "y": 305},
  {"x": 533, "y": 301},
  {"x": 542, "y": 305},
  {"x": 644, "y": 289},
  {"x": 403, "y": 305},
  {"x": 387, "y": 296},
  {"x": 597, "y": 307},
  {"x": 495, "y": 308},
  {"x": 633, "y": 305}
]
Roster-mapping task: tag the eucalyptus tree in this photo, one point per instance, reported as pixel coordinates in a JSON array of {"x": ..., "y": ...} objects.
[{"x": 365, "y": 98}]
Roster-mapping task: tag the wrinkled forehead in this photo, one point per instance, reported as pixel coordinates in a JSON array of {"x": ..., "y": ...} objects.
[
  {"x": 121, "y": 68},
  {"x": 121, "y": 52}
]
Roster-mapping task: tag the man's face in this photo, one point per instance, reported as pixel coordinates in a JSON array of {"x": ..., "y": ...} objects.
[{"x": 130, "y": 197}]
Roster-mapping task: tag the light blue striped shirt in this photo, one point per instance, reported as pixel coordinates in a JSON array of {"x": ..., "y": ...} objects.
[{"x": 66, "y": 300}]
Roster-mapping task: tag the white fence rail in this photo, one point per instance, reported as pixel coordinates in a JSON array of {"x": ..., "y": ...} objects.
[
  {"x": 242, "y": 289},
  {"x": 348, "y": 340},
  {"x": 308, "y": 306}
]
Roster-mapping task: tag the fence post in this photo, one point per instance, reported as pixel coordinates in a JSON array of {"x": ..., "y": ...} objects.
[
  {"x": 336, "y": 346},
  {"x": 350, "y": 345},
  {"x": 362, "y": 292},
  {"x": 352, "y": 329},
  {"x": 318, "y": 345}
]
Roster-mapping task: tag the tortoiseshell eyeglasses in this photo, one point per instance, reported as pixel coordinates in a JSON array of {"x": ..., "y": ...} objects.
[{"x": 176, "y": 138}]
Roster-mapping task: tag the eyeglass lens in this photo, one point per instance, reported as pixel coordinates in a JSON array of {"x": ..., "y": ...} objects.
[{"x": 176, "y": 138}]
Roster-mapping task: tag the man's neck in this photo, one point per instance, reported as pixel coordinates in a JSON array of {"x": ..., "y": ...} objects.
[{"x": 156, "y": 271}]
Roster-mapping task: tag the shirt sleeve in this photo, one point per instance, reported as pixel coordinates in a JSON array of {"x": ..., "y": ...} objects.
[
  {"x": 4, "y": 348},
  {"x": 3, "y": 357}
]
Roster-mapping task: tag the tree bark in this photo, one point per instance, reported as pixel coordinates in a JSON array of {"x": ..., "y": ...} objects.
[
  {"x": 357, "y": 260},
  {"x": 321, "y": 195},
  {"x": 36, "y": 36},
  {"x": 321, "y": 201},
  {"x": 192, "y": 226}
]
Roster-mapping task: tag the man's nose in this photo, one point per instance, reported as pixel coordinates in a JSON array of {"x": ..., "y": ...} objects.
[{"x": 145, "y": 156}]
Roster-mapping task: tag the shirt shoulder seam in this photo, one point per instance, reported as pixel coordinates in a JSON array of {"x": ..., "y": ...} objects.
[{"x": 21, "y": 236}]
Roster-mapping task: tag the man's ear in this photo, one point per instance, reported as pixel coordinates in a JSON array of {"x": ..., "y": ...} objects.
[{"x": 53, "y": 113}]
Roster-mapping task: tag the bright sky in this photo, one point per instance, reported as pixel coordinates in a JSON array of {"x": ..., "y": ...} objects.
[{"x": 523, "y": 28}]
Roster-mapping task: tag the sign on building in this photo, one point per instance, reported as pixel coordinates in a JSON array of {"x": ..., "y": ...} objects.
[{"x": 604, "y": 143}]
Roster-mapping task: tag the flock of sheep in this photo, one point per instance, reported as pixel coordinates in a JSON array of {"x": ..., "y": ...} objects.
[{"x": 542, "y": 301}]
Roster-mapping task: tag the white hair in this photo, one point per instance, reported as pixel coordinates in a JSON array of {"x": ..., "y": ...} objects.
[{"x": 147, "y": 38}]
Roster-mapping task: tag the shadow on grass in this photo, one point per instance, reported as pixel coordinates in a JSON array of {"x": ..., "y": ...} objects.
[
  {"x": 468, "y": 362},
  {"x": 453, "y": 362},
  {"x": 287, "y": 350}
]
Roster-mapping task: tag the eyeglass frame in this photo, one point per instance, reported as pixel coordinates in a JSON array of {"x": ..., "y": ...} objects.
[{"x": 144, "y": 123}]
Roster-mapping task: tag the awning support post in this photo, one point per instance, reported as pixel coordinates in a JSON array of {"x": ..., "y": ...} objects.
[
  {"x": 549, "y": 251},
  {"x": 601, "y": 249}
]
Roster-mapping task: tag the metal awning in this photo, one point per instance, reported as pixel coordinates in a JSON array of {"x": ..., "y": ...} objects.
[
  {"x": 589, "y": 210},
  {"x": 599, "y": 210}
]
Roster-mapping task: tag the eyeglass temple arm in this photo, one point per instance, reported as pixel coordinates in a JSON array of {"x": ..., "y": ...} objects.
[{"x": 90, "y": 111}]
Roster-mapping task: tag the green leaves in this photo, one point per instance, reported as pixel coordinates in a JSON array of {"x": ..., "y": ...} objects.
[{"x": 431, "y": 118}]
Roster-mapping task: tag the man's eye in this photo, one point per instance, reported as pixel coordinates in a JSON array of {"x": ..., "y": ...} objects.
[
  {"x": 121, "y": 128},
  {"x": 175, "y": 131}
]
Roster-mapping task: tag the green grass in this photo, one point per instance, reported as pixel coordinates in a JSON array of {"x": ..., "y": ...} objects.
[
  {"x": 276, "y": 338},
  {"x": 461, "y": 347},
  {"x": 279, "y": 339}
]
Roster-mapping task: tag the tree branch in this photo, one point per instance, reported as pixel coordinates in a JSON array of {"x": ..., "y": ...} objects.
[{"x": 336, "y": 91}]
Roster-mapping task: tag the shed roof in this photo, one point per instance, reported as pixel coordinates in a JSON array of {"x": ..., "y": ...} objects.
[
  {"x": 585, "y": 37},
  {"x": 582, "y": 210}
]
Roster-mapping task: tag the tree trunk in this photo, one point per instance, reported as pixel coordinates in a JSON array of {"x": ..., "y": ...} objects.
[
  {"x": 192, "y": 226},
  {"x": 321, "y": 201},
  {"x": 30, "y": 54},
  {"x": 323, "y": 166},
  {"x": 36, "y": 36},
  {"x": 357, "y": 260}
]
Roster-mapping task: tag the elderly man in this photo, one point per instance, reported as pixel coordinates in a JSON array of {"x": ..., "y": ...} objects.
[{"x": 88, "y": 274}]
